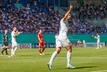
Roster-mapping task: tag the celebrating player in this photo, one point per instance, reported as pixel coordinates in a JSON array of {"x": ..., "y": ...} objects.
[
  {"x": 41, "y": 43},
  {"x": 62, "y": 40},
  {"x": 14, "y": 34},
  {"x": 5, "y": 46}
]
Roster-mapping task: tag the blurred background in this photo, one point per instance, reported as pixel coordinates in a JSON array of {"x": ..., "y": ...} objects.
[{"x": 88, "y": 17}]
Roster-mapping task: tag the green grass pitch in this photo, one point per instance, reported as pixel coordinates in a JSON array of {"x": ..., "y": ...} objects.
[{"x": 29, "y": 60}]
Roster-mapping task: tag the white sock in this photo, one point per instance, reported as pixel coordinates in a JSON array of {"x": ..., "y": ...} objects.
[
  {"x": 52, "y": 57},
  {"x": 68, "y": 58},
  {"x": 12, "y": 51},
  {"x": 15, "y": 48}
]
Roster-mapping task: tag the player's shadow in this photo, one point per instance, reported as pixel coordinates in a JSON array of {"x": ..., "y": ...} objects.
[{"x": 84, "y": 67}]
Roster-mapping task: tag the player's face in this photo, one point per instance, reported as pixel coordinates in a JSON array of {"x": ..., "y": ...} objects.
[
  {"x": 5, "y": 31},
  {"x": 14, "y": 29},
  {"x": 40, "y": 31},
  {"x": 97, "y": 34},
  {"x": 69, "y": 16}
]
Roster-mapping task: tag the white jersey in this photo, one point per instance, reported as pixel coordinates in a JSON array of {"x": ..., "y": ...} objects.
[
  {"x": 62, "y": 39},
  {"x": 98, "y": 38},
  {"x": 63, "y": 28},
  {"x": 13, "y": 38}
]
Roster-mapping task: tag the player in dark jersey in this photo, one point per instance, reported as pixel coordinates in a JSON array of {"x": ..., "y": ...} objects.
[{"x": 5, "y": 46}]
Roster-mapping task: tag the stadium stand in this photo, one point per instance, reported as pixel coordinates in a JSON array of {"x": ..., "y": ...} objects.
[{"x": 33, "y": 15}]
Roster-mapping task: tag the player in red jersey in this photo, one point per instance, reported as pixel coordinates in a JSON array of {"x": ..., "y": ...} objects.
[{"x": 42, "y": 45}]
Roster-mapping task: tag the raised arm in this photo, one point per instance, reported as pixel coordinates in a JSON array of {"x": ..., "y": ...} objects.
[{"x": 68, "y": 13}]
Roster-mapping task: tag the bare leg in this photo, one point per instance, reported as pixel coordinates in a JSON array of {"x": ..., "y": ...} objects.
[
  {"x": 40, "y": 50},
  {"x": 43, "y": 49}
]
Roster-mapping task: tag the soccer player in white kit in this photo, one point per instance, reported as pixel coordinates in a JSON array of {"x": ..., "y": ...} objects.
[
  {"x": 14, "y": 34},
  {"x": 62, "y": 40},
  {"x": 97, "y": 37}
]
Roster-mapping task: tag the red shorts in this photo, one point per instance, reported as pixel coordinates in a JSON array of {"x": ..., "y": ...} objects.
[{"x": 41, "y": 44}]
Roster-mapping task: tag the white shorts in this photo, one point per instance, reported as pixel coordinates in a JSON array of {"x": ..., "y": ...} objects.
[
  {"x": 14, "y": 44},
  {"x": 62, "y": 42},
  {"x": 98, "y": 43}
]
